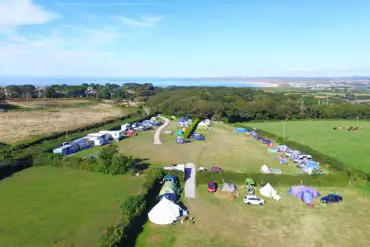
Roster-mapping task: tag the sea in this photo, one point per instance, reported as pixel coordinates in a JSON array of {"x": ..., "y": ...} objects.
[{"x": 156, "y": 81}]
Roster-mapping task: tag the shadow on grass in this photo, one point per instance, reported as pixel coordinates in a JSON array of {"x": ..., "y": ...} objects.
[
  {"x": 8, "y": 168},
  {"x": 138, "y": 223}
]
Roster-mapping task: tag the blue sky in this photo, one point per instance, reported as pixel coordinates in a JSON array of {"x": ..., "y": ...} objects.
[{"x": 184, "y": 38}]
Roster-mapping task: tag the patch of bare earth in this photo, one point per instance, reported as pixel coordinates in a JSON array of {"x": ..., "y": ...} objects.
[{"x": 17, "y": 126}]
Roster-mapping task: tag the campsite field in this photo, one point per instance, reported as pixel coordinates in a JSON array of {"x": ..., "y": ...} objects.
[
  {"x": 231, "y": 223},
  {"x": 223, "y": 148},
  {"x": 46, "y": 206},
  {"x": 53, "y": 116},
  {"x": 349, "y": 147}
]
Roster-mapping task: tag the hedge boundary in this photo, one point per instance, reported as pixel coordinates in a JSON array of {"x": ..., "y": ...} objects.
[
  {"x": 338, "y": 180},
  {"x": 334, "y": 164},
  {"x": 190, "y": 130},
  {"x": 27, "y": 154},
  {"x": 134, "y": 212}
]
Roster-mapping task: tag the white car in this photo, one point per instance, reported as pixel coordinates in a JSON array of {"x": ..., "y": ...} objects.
[
  {"x": 252, "y": 199},
  {"x": 302, "y": 157}
]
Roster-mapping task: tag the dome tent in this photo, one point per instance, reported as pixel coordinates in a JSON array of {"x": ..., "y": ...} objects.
[
  {"x": 228, "y": 187},
  {"x": 165, "y": 212}
]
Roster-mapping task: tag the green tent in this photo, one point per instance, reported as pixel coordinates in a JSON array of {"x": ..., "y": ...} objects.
[
  {"x": 169, "y": 187},
  {"x": 249, "y": 181}
]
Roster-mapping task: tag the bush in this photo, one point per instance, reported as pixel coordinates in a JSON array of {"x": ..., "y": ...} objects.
[
  {"x": 133, "y": 206},
  {"x": 113, "y": 235},
  {"x": 106, "y": 155},
  {"x": 190, "y": 130}
]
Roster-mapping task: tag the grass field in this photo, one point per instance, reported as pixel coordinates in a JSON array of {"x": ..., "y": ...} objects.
[
  {"x": 48, "y": 104},
  {"x": 223, "y": 148},
  {"x": 347, "y": 146},
  {"x": 45, "y": 206},
  {"x": 288, "y": 223},
  {"x": 60, "y": 115}
]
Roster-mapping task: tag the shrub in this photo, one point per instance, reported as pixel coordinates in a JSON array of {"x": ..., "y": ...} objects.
[
  {"x": 113, "y": 235},
  {"x": 107, "y": 153},
  {"x": 133, "y": 206},
  {"x": 190, "y": 130}
]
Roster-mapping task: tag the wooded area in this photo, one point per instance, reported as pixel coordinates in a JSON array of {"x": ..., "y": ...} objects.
[{"x": 246, "y": 104}]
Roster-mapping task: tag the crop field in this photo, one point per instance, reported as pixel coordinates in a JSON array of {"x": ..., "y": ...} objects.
[
  {"x": 61, "y": 116},
  {"x": 46, "y": 206},
  {"x": 349, "y": 147},
  {"x": 287, "y": 223},
  {"x": 223, "y": 148}
]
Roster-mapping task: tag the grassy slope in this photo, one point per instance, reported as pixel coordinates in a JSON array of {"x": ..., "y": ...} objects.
[
  {"x": 228, "y": 223},
  {"x": 349, "y": 147},
  {"x": 223, "y": 148},
  {"x": 45, "y": 206}
]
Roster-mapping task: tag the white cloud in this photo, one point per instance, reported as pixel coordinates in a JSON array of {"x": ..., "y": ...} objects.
[
  {"x": 16, "y": 13},
  {"x": 145, "y": 22}
]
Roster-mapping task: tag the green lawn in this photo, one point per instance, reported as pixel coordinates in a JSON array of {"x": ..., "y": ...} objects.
[
  {"x": 222, "y": 148},
  {"x": 347, "y": 146},
  {"x": 288, "y": 223},
  {"x": 46, "y": 206}
]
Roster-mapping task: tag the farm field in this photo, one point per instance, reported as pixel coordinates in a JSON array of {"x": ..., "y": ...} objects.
[
  {"x": 231, "y": 223},
  {"x": 46, "y": 206},
  {"x": 57, "y": 116},
  {"x": 347, "y": 146},
  {"x": 47, "y": 104},
  {"x": 222, "y": 148}
]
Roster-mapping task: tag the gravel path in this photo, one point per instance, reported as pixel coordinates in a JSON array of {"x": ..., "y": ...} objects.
[
  {"x": 190, "y": 180},
  {"x": 157, "y": 133}
]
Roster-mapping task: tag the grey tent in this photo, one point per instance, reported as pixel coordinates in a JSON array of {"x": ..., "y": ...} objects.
[{"x": 228, "y": 187}]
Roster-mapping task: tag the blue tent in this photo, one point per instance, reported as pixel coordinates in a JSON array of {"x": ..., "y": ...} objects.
[
  {"x": 180, "y": 139},
  {"x": 240, "y": 130},
  {"x": 305, "y": 193},
  {"x": 198, "y": 137}
]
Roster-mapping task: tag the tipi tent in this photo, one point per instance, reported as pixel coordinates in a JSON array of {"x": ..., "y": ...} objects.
[
  {"x": 165, "y": 212},
  {"x": 269, "y": 191},
  {"x": 228, "y": 187}
]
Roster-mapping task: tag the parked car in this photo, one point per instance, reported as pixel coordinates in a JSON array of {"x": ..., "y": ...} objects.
[
  {"x": 212, "y": 187},
  {"x": 303, "y": 157},
  {"x": 291, "y": 152},
  {"x": 252, "y": 199},
  {"x": 331, "y": 198},
  {"x": 215, "y": 169}
]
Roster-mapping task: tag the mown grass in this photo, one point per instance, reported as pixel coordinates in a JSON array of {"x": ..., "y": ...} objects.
[
  {"x": 45, "y": 206},
  {"x": 223, "y": 148},
  {"x": 227, "y": 222},
  {"x": 347, "y": 146}
]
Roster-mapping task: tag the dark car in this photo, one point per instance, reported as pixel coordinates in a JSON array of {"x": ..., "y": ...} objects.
[
  {"x": 331, "y": 198},
  {"x": 212, "y": 187},
  {"x": 215, "y": 169}
]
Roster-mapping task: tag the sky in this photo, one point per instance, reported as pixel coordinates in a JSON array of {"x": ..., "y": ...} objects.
[{"x": 184, "y": 38}]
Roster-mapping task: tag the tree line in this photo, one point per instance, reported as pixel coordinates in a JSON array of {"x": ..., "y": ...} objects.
[
  {"x": 127, "y": 91},
  {"x": 246, "y": 104}
]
